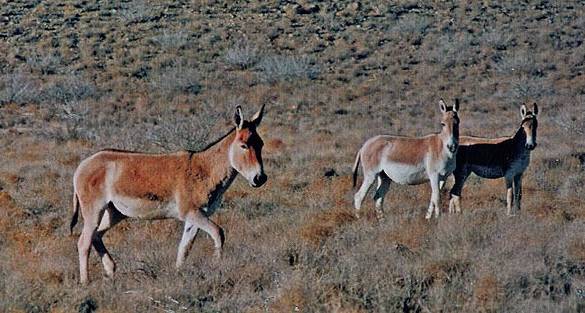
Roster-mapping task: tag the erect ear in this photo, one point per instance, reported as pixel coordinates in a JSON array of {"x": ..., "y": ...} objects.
[
  {"x": 456, "y": 106},
  {"x": 523, "y": 111},
  {"x": 535, "y": 108},
  {"x": 443, "y": 106},
  {"x": 257, "y": 118},
  {"x": 238, "y": 117}
]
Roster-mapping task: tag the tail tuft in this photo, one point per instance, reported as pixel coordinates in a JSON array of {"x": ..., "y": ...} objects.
[
  {"x": 75, "y": 216},
  {"x": 355, "y": 168}
]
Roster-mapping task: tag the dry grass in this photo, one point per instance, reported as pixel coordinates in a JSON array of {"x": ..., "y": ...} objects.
[{"x": 81, "y": 76}]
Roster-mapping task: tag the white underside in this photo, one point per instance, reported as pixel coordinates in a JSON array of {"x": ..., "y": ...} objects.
[{"x": 406, "y": 174}]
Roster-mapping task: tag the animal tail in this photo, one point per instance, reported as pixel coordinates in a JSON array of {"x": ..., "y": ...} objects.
[
  {"x": 75, "y": 216},
  {"x": 355, "y": 167}
]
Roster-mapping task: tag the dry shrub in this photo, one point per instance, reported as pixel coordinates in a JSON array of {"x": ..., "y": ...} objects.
[
  {"x": 409, "y": 232},
  {"x": 293, "y": 299},
  {"x": 323, "y": 224},
  {"x": 577, "y": 250},
  {"x": 487, "y": 293},
  {"x": 274, "y": 145},
  {"x": 338, "y": 302},
  {"x": 445, "y": 271}
]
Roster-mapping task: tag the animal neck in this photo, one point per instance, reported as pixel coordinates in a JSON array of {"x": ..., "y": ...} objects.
[
  {"x": 520, "y": 140},
  {"x": 216, "y": 161},
  {"x": 444, "y": 137}
]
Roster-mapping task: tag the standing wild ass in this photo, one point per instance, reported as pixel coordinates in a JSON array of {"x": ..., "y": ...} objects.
[
  {"x": 112, "y": 185},
  {"x": 506, "y": 157},
  {"x": 410, "y": 161}
]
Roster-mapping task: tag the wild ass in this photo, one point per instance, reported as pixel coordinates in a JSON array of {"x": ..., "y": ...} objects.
[
  {"x": 506, "y": 157},
  {"x": 112, "y": 185},
  {"x": 410, "y": 161}
]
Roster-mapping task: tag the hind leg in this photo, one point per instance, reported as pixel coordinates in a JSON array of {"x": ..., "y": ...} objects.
[
  {"x": 517, "y": 193},
  {"x": 91, "y": 218},
  {"x": 201, "y": 221},
  {"x": 455, "y": 193},
  {"x": 360, "y": 195},
  {"x": 509, "y": 194},
  {"x": 110, "y": 218},
  {"x": 381, "y": 190}
]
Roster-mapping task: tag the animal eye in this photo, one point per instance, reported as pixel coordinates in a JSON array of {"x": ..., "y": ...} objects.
[
  {"x": 245, "y": 147},
  {"x": 443, "y": 124}
]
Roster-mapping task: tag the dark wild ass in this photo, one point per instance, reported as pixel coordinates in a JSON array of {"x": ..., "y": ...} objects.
[
  {"x": 112, "y": 185},
  {"x": 506, "y": 157},
  {"x": 409, "y": 161}
]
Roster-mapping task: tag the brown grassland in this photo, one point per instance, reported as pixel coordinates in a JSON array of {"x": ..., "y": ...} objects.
[{"x": 78, "y": 76}]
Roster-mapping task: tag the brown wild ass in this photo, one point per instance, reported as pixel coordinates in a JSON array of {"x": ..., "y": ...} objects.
[
  {"x": 112, "y": 185},
  {"x": 506, "y": 157},
  {"x": 410, "y": 161}
]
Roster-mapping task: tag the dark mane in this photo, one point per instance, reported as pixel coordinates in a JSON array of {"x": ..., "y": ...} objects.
[{"x": 213, "y": 143}]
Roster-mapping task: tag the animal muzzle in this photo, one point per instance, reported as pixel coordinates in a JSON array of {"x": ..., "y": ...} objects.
[
  {"x": 530, "y": 146},
  {"x": 259, "y": 180}
]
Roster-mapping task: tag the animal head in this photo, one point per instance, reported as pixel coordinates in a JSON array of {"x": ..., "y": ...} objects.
[
  {"x": 245, "y": 152},
  {"x": 450, "y": 124},
  {"x": 529, "y": 125}
]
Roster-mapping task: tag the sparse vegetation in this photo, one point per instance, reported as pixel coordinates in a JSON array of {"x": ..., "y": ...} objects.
[
  {"x": 158, "y": 76},
  {"x": 175, "y": 80},
  {"x": 18, "y": 87},
  {"x": 242, "y": 56},
  {"x": 280, "y": 68}
]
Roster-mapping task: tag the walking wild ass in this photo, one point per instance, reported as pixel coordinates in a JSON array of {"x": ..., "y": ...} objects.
[
  {"x": 506, "y": 157},
  {"x": 112, "y": 185},
  {"x": 410, "y": 161}
]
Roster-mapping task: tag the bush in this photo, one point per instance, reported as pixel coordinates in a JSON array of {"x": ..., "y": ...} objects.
[
  {"x": 287, "y": 68},
  {"x": 498, "y": 40},
  {"x": 527, "y": 89},
  {"x": 242, "y": 56},
  {"x": 137, "y": 12},
  {"x": 19, "y": 88},
  {"x": 161, "y": 131},
  {"x": 412, "y": 27},
  {"x": 174, "y": 80},
  {"x": 70, "y": 88},
  {"x": 44, "y": 64},
  {"x": 451, "y": 51},
  {"x": 171, "y": 40},
  {"x": 520, "y": 64}
]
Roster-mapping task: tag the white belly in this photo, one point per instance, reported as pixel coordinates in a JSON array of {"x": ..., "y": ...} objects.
[
  {"x": 145, "y": 209},
  {"x": 406, "y": 174}
]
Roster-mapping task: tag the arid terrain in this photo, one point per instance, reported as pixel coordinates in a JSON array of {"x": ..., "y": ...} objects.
[{"x": 79, "y": 76}]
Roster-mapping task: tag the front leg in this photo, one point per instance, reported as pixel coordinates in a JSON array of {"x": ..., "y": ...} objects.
[
  {"x": 216, "y": 232},
  {"x": 509, "y": 194},
  {"x": 189, "y": 233},
  {"x": 435, "y": 197},
  {"x": 517, "y": 192}
]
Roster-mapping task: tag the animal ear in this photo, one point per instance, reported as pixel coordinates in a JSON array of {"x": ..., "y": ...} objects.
[
  {"x": 535, "y": 108},
  {"x": 456, "y": 106},
  {"x": 257, "y": 118},
  {"x": 523, "y": 111},
  {"x": 238, "y": 117},
  {"x": 443, "y": 106}
]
